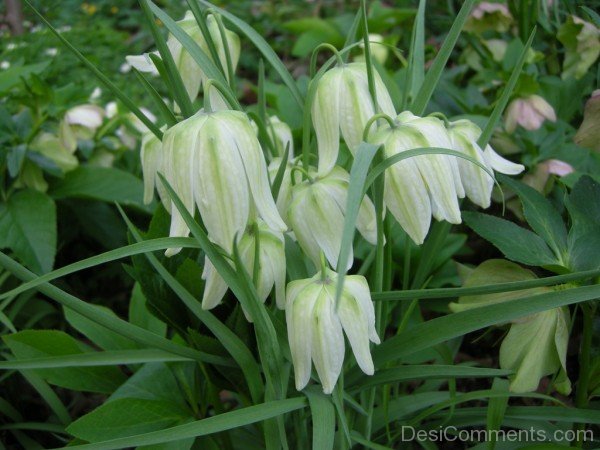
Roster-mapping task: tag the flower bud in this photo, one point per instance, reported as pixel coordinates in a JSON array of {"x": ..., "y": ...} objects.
[
  {"x": 315, "y": 326},
  {"x": 284, "y": 196},
  {"x": 316, "y": 215},
  {"x": 529, "y": 112},
  {"x": 271, "y": 272},
  {"x": 343, "y": 102},
  {"x": 191, "y": 74},
  {"x": 477, "y": 183},
  {"x": 215, "y": 161}
]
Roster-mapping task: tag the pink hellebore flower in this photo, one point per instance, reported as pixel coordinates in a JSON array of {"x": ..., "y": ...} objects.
[{"x": 529, "y": 112}]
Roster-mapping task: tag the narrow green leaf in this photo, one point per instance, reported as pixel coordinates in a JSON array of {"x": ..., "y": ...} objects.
[
  {"x": 485, "y": 289},
  {"x": 103, "y": 258},
  {"x": 441, "y": 329},
  {"x": 91, "y": 359},
  {"x": 416, "y": 66},
  {"x": 323, "y": 419},
  {"x": 175, "y": 82},
  {"x": 161, "y": 106},
  {"x": 515, "y": 242},
  {"x": 222, "y": 422},
  {"x": 358, "y": 174},
  {"x": 435, "y": 71},
  {"x": 101, "y": 77},
  {"x": 424, "y": 372},
  {"x": 506, "y": 93},
  {"x": 496, "y": 410},
  {"x": 120, "y": 326}
]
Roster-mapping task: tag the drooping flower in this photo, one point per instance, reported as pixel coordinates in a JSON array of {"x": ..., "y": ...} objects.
[
  {"x": 419, "y": 187},
  {"x": 489, "y": 16},
  {"x": 379, "y": 51},
  {"x": 151, "y": 156},
  {"x": 271, "y": 272},
  {"x": 315, "y": 327},
  {"x": 317, "y": 211},
  {"x": 582, "y": 46},
  {"x": 280, "y": 134},
  {"x": 536, "y": 345},
  {"x": 284, "y": 196},
  {"x": 477, "y": 183},
  {"x": 215, "y": 161},
  {"x": 193, "y": 75},
  {"x": 343, "y": 102},
  {"x": 529, "y": 112}
]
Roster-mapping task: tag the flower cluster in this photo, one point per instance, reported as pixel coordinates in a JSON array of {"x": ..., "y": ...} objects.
[{"x": 215, "y": 163}]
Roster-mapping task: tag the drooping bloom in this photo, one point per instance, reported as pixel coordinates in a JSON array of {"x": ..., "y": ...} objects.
[
  {"x": 284, "y": 196},
  {"x": 477, "y": 183},
  {"x": 316, "y": 215},
  {"x": 343, "y": 102},
  {"x": 271, "y": 272},
  {"x": 193, "y": 75},
  {"x": 280, "y": 134},
  {"x": 151, "y": 156},
  {"x": 489, "y": 16},
  {"x": 536, "y": 345},
  {"x": 214, "y": 160},
  {"x": 529, "y": 112},
  {"x": 582, "y": 46},
  {"x": 419, "y": 187},
  {"x": 315, "y": 327}
]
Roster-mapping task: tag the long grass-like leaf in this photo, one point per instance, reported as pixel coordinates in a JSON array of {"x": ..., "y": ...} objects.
[
  {"x": 101, "y": 77},
  {"x": 222, "y": 422},
  {"x": 435, "y": 71},
  {"x": 506, "y": 93},
  {"x": 109, "y": 321},
  {"x": 161, "y": 106},
  {"x": 416, "y": 66}
]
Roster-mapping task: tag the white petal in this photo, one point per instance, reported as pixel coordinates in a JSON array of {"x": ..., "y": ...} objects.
[
  {"x": 325, "y": 119},
  {"x": 356, "y": 328},
  {"x": 499, "y": 164},
  {"x": 143, "y": 63},
  {"x": 356, "y": 105},
  {"x": 357, "y": 287},
  {"x": 327, "y": 339},
  {"x": 299, "y": 217},
  {"x": 215, "y": 287}
]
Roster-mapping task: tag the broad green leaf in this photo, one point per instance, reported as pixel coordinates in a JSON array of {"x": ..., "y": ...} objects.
[
  {"x": 140, "y": 316},
  {"x": 12, "y": 76},
  {"x": 541, "y": 215},
  {"x": 101, "y": 183},
  {"x": 40, "y": 343},
  {"x": 28, "y": 228},
  {"x": 215, "y": 424},
  {"x": 127, "y": 417},
  {"x": 126, "y": 329},
  {"x": 585, "y": 214},
  {"x": 516, "y": 243},
  {"x": 99, "y": 335}
]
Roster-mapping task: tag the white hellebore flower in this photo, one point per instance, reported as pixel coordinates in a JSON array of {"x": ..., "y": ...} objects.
[
  {"x": 271, "y": 272},
  {"x": 88, "y": 116},
  {"x": 316, "y": 215},
  {"x": 215, "y": 161},
  {"x": 315, "y": 327},
  {"x": 193, "y": 75},
  {"x": 418, "y": 187},
  {"x": 343, "y": 102},
  {"x": 477, "y": 183}
]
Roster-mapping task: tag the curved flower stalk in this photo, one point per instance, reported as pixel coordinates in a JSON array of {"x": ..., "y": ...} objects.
[
  {"x": 192, "y": 75},
  {"x": 477, "y": 183},
  {"x": 214, "y": 160},
  {"x": 529, "y": 112},
  {"x": 271, "y": 271},
  {"x": 419, "y": 187},
  {"x": 316, "y": 215},
  {"x": 343, "y": 102},
  {"x": 315, "y": 328}
]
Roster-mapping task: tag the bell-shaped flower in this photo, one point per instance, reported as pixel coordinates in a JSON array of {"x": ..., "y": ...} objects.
[
  {"x": 582, "y": 46},
  {"x": 280, "y": 134},
  {"x": 529, "y": 112},
  {"x": 418, "y": 187},
  {"x": 284, "y": 196},
  {"x": 343, "y": 102},
  {"x": 215, "y": 161},
  {"x": 379, "y": 49},
  {"x": 317, "y": 212},
  {"x": 315, "y": 327},
  {"x": 271, "y": 271},
  {"x": 478, "y": 184},
  {"x": 191, "y": 74},
  {"x": 151, "y": 156},
  {"x": 536, "y": 345}
]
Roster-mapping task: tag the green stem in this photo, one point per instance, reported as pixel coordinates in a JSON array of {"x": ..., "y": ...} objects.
[
  {"x": 581, "y": 397},
  {"x": 370, "y": 76}
]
